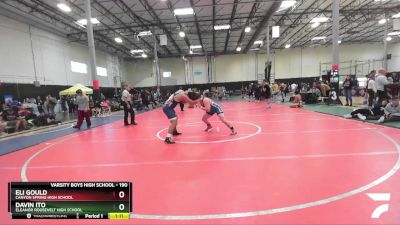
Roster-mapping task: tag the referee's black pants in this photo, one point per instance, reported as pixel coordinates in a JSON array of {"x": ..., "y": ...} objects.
[{"x": 128, "y": 111}]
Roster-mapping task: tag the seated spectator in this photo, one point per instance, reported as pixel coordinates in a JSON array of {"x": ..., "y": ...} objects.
[
  {"x": 297, "y": 103},
  {"x": 105, "y": 105},
  {"x": 12, "y": 118},
  {"x": 374, "y": 113},
  {"x": 3, "y": 126},
  {"x": 325, "y": 89},
  {"x": 44, "y": 120},
  {"x": 33, "y": 106},
  {"x": 392, "y": 111}
]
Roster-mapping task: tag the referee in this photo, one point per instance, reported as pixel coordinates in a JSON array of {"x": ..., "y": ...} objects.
[{"x": 127, "y": 104}]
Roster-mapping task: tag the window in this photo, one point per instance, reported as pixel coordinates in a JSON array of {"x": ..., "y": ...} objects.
[
  {"x": 78, "y": 67},
  {"x": 101, "y": 71},
  {"x": 166, "y": 74}
]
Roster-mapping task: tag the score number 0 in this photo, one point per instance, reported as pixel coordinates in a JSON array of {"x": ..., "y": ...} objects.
[{"x": 121, "y": 195}]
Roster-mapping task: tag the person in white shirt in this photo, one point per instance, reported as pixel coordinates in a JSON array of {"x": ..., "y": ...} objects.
[
  {"x": 371, "y": 88},
  {"x": 380, "y": 82},
  {"x": 127, "y": 104}
]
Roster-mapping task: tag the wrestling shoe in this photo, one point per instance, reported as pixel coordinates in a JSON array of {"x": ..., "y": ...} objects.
[
  {"x": 169, "y": 141},
  {"x": 361, "y": 117},
  {"x": 176, "y": 133},
  {"x": 347, "y": 116}
]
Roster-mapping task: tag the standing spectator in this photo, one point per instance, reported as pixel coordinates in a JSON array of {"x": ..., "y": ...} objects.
[
  {"x": 127, "y": 104},
  {"x": 39, "y": 103},
  {"x": 83, "y": 109},
  {"x": 145, "y": 99},
  {"x": 250, "y": 91},
  {"x": 63, "y": 103},
  {"x": 371, "y": 86},
  {"x": 293, "y": 87},
  {"x": 51, "y": 104},
  {"x": 348, "y": 90},
  {"x": 71, "y": 104},
  {"x": 381, "y": 81},
  {"x": 283, "y": 91},
  {"x": 257, "y": 92}
]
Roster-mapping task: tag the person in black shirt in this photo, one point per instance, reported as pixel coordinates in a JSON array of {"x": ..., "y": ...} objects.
[
  {"x": 267, "y": 93},
  {"x": 348, "y": 90},
  {"x": 374, "y": 113},
  {"x": 12, "y": 118}
]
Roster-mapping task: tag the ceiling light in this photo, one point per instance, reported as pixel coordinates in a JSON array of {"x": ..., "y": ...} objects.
[
  {"x": 222, "y": 27},
  {"x": 144, "y": 55},
  {"x": 389, "y": 38},
  {"x": 382, "y": 21},
  {"x": 144, "y": 33},
  {"x": 255, "y": 49},
  {"x": 195, "y": 46},
  {"x": 118, "y": 40},
  {"x": 315, "y": 25},
  {"x": 318, "y": 38},
  {"x": 339, "y": 42},
  {"x": 396, "y": 15},
  {"x": 182, "y": 34},
  {"x": 83, "y": 22},
  {"x": 259, "y": 42},
  {"x": 135, "y": 51},
  {"x": 190, "y": 51},
  {"x": 275, "y": 31},
  {"x": 238, "y": 49},
  {"x": 286, "y": 5},
  {"x": 247, "y": 29},
  {"x": 183, "y": 11},
  {"x": 320, "y": 20},
  {"x": 287, "y": 46},
  {"x": 394, "y": 33},
  {"x": 64, "y": 7}
]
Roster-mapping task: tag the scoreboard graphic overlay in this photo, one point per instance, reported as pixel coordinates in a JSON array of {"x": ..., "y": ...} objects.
[{"x": 70, "y": 200}]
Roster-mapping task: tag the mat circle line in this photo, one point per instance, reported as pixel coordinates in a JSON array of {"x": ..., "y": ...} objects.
[
  {"x": 361, "y": 189},
  {"x": 158, "y": 135}
]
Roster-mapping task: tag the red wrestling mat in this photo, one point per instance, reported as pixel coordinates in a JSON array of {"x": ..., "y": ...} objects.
[{"x": 285, "y": 166}]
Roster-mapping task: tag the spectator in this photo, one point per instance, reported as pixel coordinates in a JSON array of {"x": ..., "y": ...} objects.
[
  {"x": 325, "y": 89},
  {"x": 71, "y": 104},
  {"x": 293, "y": 87},
  {"x": 368, "y": 114},
  {"x": 392, "y": 111},
  {"x": 297, "y": 103},
  {"x": 12, "y": 118},
  {"x": 14, "y": 103},
  {"x": 83, "y": 109},
  {"x": 3, "y": 126},
  {"x": 371, "y": 86},
  {"x": 348, "y": 90},
  {"x": 39, "y": 103},
  {"x": 63, "y": 103},
  {"x": 51, "y": 104},
  {"x": 33, "y": 106},
  {"x": 381, "y": 81}
]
